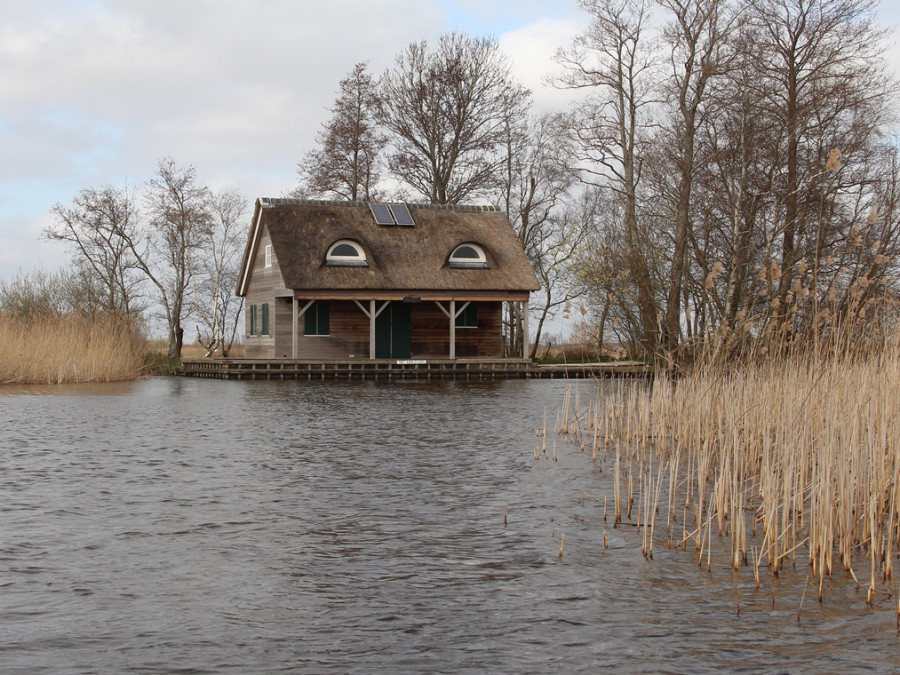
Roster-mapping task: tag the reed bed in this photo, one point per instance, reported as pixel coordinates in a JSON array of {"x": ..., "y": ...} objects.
[
  {"x": 792, "y": 461},
  {"x": 58, "y": 349}
]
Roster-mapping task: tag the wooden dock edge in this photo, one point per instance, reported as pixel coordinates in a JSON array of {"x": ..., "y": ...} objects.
[{"x": 403, "y": 369}]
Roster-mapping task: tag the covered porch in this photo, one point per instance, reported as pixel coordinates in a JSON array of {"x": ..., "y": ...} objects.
[{"x": 397, "y": 325}]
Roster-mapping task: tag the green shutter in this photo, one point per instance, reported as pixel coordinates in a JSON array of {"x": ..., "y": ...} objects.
[
  {"x": 265, "y": 319},
  {"x": 252, "y": 319}
]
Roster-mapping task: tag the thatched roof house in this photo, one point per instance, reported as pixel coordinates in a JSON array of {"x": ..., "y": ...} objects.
[{"x": 344, "y": 280}]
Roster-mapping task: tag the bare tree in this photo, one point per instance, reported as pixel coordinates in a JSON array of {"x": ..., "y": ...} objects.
[
  {"x": 697, "y": 35},
  {"x": 347, "y": 162},
  {"x": 447, "y": 112},
  {"x": 611, "y": 61},
  {"x": 534, "y": 184},
  {"x": 215, "y": 272},
  {"x": 736, "y": 184},
  {"x": 821, "y": 88},
  {"x": 599, "y": 268},
  {"x": 556, "y": 246},
  {"x": 180, "y": 226},
  {"x": 100, "y": 228}
]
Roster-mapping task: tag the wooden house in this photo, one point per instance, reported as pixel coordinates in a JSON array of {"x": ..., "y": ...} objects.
[{"x": 351, "y": 280}]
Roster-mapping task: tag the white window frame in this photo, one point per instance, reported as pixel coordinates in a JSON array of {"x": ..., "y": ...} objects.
[
  {"x": 268, "y": 255},
  {"x": 472, "y": 263},
  {"x": 359, "y": 260}
]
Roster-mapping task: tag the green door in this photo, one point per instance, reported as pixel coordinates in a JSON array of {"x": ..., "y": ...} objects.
[{"x": 393, "y": 332}]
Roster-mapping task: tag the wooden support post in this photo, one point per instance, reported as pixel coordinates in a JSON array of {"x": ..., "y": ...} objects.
[
  {"x": 372, "y": 314},
  {"x": 525, "y": 335},
  {"x": 295, "y": 328},
  {"x": 453, "y": 329},
  {"x": 372, "y": 329}
]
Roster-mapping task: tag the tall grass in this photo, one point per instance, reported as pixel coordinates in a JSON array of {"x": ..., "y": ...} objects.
[
  {"x": 53, "y": 349},
  {"x": 792, "y": 460}
]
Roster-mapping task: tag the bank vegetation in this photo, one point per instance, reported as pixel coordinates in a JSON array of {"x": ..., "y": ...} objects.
[
  {"x": 44, "y": 349},
  {"x": 56, "y": 328},
  {"x": 786, "y": 458}
]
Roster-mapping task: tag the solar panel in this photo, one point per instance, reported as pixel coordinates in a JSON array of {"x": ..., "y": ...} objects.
[
  {"x": 382, "y": 214},
  {"x": 401, "y": 214}
]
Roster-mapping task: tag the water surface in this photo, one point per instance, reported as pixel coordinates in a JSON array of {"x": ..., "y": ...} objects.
[{"x": 202, "y": 526}]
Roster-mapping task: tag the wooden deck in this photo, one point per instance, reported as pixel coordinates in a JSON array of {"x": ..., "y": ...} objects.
[{"x": 403, "y": 369}]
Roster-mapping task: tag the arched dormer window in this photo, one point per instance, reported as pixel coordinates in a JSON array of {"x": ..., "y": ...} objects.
[
  {"x": 468, "y": 256},
  {"x": 346, "y": 253}
]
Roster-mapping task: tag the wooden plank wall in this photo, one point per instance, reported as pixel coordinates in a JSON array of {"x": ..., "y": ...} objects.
[
  {"x": 431, "y": 332},
  {"x": 349, "y": 335},
  {"x": 266, "y": 284}
]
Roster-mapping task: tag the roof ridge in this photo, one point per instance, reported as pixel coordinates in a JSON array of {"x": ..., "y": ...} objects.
[
  {"x": 293, "y": 201},
  {"x": 486, "y": 208}
]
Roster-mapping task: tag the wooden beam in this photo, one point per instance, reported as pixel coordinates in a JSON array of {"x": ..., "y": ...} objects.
[
  {"x": 426, "y": 296},
  {"x": 364, "y": 310}
]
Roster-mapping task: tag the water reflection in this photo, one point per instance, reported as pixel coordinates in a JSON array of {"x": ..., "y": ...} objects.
[{"x": 206, "y": 526}]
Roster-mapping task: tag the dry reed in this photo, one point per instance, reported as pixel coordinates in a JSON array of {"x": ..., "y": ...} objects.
[
  {"x": 795, "y": 460},
  {"x": 62, "y": 349}
]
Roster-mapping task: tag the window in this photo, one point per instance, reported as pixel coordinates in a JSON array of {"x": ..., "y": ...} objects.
[
  {"x": 252, "y": 320},
  {"x": 468, "y": 256},
  {"x": 268, "y": 255},
  {"x": 265, "y": 319},
  {"x": 317, "y": 319},
  {"x": 346, "y": 253},
  {"x": 468, "y": 318}
]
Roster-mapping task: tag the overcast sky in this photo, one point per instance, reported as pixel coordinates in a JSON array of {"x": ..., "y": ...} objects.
[{"x": 94, "y": 92}]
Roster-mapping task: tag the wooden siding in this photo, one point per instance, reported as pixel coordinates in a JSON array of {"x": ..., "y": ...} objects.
[
  {"x": 266, "y": 287},
  {"x": 281, "y": 325},
  {"x": 431, "y": 332},
  {"x": 348, "y": 338}
]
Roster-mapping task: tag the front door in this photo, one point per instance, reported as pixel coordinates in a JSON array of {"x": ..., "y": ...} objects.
[{"x": 393, "y": 332}]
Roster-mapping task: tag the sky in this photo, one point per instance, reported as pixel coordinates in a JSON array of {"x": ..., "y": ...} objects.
[{"x": 95, "y": 92}]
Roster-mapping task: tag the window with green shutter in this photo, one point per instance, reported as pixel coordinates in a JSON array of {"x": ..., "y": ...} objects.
[
  {"x": 317, "y": 319},
  {"x": 252, "y": 319},
  {"x": 265, "y": 319}
]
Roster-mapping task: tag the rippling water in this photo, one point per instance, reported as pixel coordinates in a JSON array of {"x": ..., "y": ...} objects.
[{"x": 198, "y": 526}]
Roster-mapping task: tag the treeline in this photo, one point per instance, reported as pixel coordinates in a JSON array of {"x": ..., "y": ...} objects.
[
  {"x": 175, "y": 249},
  {"x": 727, "y": 178}
]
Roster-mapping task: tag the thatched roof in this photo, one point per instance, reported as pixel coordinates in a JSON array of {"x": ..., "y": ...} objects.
[{"x": 399, "y": 258}]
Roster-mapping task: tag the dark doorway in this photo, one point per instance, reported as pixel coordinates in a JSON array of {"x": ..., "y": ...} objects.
[{"x": 393, "y": 332}]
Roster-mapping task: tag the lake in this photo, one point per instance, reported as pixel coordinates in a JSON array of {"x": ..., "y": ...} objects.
[{"x": 203, "y": 526}]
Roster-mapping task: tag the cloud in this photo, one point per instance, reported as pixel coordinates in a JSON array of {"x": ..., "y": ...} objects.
[
  {"x": 531, "y": 49},
  {"x": 94, "y": 92}
]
